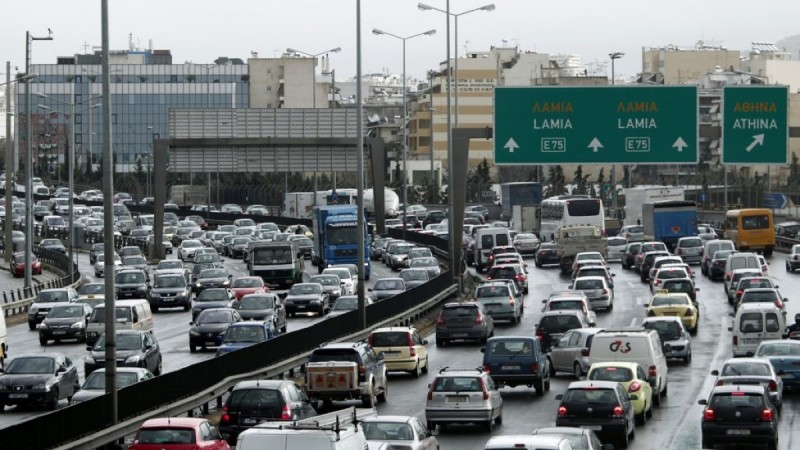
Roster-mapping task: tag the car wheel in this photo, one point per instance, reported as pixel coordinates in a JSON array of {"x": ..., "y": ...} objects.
[
  {"x": 772, "y": 445},
  {"x": 499, "y": 419},
  {"x": 42, "y": 341},
  {"x": 32, "y": 325},
  {"x": 489, "y": 425},
  {"x": 384, "y": 395},
  {"x": 707, "y": 443},
  {"x": 283, "y": 328},
  {"x": 551, "y": 367},
  {"x": 155, "y": 309},
  {"x": 417, "y": 371},
  {"x": 641, "y": 419},
  {"x": 53, "y": 402},
  {"x": 688, "y": 358},
  {"x": 2, "y": 407},
  {"x": 192, "y": 348},
  {"x": 539, "y": 386},
  {"x": 425, "y": 367},
  {"x": 623, "y": 442},
  {"x": 431, "y": 426},
  {"x": 578, "y": 370},
  {"x": 369, "y": 400},
  {"x": 440, "y": 343},
  {"x": 656, "y": 400}
]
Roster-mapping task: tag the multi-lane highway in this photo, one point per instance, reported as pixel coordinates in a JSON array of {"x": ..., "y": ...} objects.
[{"x": 676, "y": 425}]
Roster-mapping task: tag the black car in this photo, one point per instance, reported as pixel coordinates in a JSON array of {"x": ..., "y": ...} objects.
[
  {"x": 42, "y": 379},
  {"x": 307, "y": 297},
  {"x": 601, "y": 406},
  {"x": 130, "y": 283},
  {"x": 463, "y": 321},
  {"x": 170, "y": 290},
  {"x": 238, "y": 247},
  {"x": 553, "y": 324},
  {"x": 211, "y": 278},
  {"x": 263, "y": 307},
  {"x": 739, "y": 414},
  {"x": 135, "y": 348},
  {"x": 376, "y": 248},
  {"x": 716, "y": 269},
  {"x": 331, "y": 283},
  {"x": 434, "y": 217},
  {"x": 65, "y": 321},
  {"x": 304, "y": 246},
  {"x": 54, "y": 245},
  {"x": 629, "y": 257},
  {"x": 199, "y": 267},
  {"x": 209, "y": 327},
  {"x": 256, "y": 401},
  {"x": 94, "y": 251},
  {"x": 212, "y": 298},
  {"x": 683, "y": 285},
  {"x": 547, "y": 254}
]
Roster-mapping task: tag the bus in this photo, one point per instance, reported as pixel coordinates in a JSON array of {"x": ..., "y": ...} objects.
[
  {"x": 568, "y": 210},
  {"x": 751, "y": 229}
]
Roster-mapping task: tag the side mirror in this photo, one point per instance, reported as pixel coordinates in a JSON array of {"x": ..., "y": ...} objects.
[
  {"x": 633, "y": 397},
  {"x": 424, "y": 342},
  {"x": 730, "y": 328},
  {"x": 191, "y": 323},
  {"x": 697, "y": 289},
  {"x": 646, "y": 305},
  {"x": 785, "y": 300},
  {"x": 715, "y": 372},
  {"x": 61, "y": 369},
  {"x": 613, "y": 274},
  {"x": 702, "y": 401},
  {"x": 89, "y": 348}
]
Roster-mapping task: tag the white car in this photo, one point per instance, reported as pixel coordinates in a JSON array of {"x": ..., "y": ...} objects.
[
  {"x": 348, "y": 287},
  {"x": 616, "y": 248},
  {"x": 188, "y": 249},
  {"x": 405, "y": 432},
  {"x": 100, "y": 268}
]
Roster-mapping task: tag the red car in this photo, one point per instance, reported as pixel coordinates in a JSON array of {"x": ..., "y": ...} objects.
[
  {"x": 178, "y": 433},
  {"x": 248, "y": 285},
  {"x": 17, "y": 265}
]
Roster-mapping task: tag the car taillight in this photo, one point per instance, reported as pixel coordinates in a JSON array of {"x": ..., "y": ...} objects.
[
  {"x": 511, "y": 301},
  {"x": 605, "y": 291},
  {"x": 430, "y": 392},
  {"x": 362, "y": 369},
  {"x": 412, "y": 351},
  {"x": 720, "y": 383},
  {"x": 634, "y": 387},
  {"x": 794, "y": 257},
  {"x": 773, "y": 386},
  {"x": 487, "y": 368},
  {"x": 653, "y": 371},
  {"x": 618, "y": 411},
  {"x": 534, "y": 367},
  {"x": 639, "y": 256},
  {"x": 488, "y": 277},
  {"x": 779, "y": 303},
  {"x": 286, "y": 413},
  {"x": 520, "y": 277},
  {"x": 479, "y": 319},
  {"x": 562, "y": 411},
  {"x": 739, "y": 293},
  {"x": 656, "y": 282},
  {"x": 370, "y": 341},
  {"x": 585, "y": 352},
  {"x": 727, "y": 275},
  {"x": 708, "y": 414},
  {"x": 766, "y": 415},
  {"x": 440, "y": 320},
  {"x": 226, "y": 418},
  {"x": 735, "y": 340},
  {"x": 485, "y": 392},
  {"x": 688, "y": 312},
  {"x": 539, "y": 333}
]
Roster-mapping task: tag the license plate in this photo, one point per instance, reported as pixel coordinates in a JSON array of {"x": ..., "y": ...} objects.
[
  {"x": 249, "y": 421},
  {"x": 460, "y": 335},
  {"x": 751, "y": 341},
  {"x": 738, "y": 432},
  {"x": 513, "y": 367},
  {"x": 392, "y": 354},
  {"x": 456, "y": 398},
  {"x": 17, "y": 395},
  {"x": 301, "y": 306},
  {"x": 59, "y": 332},
  {"x": 592, "y": 427},
  {"x": 168, "y": 300}
]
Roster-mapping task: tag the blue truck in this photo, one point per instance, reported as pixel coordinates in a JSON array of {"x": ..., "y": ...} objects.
[
  {"x": 669, "y": 220},
  {"x": 335, "y": 230}
]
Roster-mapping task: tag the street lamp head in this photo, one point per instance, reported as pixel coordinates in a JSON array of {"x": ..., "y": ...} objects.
[
  {"x": 616, "y": 55},
  {"x": 336, "y": 50},
  {"x": 377, "y": 31},
  {"x": 424, "y": 7},
  {"x": 430, "y": 32},
  {"x": 489, "y": 7},
  {"x": 44, "y": 107}
]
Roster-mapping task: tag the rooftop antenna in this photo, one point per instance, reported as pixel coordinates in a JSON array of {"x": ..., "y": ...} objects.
[{"x": 466, "y": 50}]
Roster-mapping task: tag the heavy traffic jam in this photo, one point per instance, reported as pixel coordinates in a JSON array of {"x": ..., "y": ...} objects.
[{"x": 601, "y": 380}]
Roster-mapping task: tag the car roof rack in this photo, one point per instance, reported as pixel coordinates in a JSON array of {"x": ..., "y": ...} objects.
[{"x": 456, "y": 369}]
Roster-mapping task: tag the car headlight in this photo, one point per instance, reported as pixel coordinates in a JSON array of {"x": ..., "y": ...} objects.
[
  {"x": 90, "y": 360},
  {"x": 133, "y": 359},
  {"x": 226, "y": 282},
  {"x": 199, "y": 285},
  {"x": 40, "y": 387},
  {"x": 42, "y": 326},
  {"x": 194, "y": 333},
  {"x": 3, "y": 387},
  {"x": 79, "y": 324},
  {"x": 33, "y": 310},
  {"x": 337, "y": 292}
]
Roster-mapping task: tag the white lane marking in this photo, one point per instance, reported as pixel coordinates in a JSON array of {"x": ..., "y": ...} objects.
[{"x": 633, "y": 322}]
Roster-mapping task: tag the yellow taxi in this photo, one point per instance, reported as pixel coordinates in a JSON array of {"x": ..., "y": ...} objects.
[
  {"x": 403, "y": 349},
  {"x": 633, "y": 378},
  {"x": 679, "y": 304}
]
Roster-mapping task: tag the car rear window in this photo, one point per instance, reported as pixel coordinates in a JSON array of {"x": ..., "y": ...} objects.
[
  {"x": 618, "y": 374},
  {"x": 504, "y": 272},
  {"x": 559, "y": 323},
  {"x": 590, "y": 395},
  {"x": 667, "y": 331},
  {"x": 254, "y": 399},
  {"x": 737, "y": 400},
  {"x": 759, "y": 296},
  {"x": 510, "y": 347},
  {"x": 751, "y": 322},
  {"x": 324, "y": 355},
  {"x": 457, "y": 384},
  {"x": 589, "y": 284},
  {"x": 492, "y": 291},
  {"x": 745, "y": 368},
  {"x": 565, "y": 305},
  {"x": 617, "y": 242},
  {"x": 163, "y": 436},
  {"x": 389, "y": 339},
  {"x": 459, "y": 311},
  {"x": 693, "y": 242}
]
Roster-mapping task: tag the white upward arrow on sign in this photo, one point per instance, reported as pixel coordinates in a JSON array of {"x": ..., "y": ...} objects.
[
  {"x": 595, "y": 144},
  {"x": 511, "y": 145},
  {"x": 680, "y": 144}
]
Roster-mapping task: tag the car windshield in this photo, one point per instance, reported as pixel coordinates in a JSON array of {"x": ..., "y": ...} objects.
[
  {"x": 590, "y": 396},
  {"x": 247, "y": 283},
  {"x": 92, "y": 288},
  {"x": 213, "y": 273},
  {"x": 759, "y": 296},
  {"x": 326, "y": 280},
  {"x": 64, "y": 312},
  {"x": 212, "y": 295},
  {"x": 169, "y": 282},
  {"x": 663, "y": 300},
  {"x": 51, "y": 296},
  {"x": 424, "y": 262},
  {"x": 163, "y": 436},
  {"x": 388, "y": 431},
  {"x": 206, "y": 317},
  {"x": 457, "y": 384},
  {"x": 346, "y": 304},
  {"x": 257, "y": 302},
  {"x": 618, "y": 374},
  {"x": 565, "y": 305},
  {"x": 667, "y": 330},
  {"x": 125, "y": 342},
  {"x": 130, "y": 278},
  {"x": 244, "y": 334},
  {"x": 778, "y": 349},
  {"x": 241, "y": 241},
  {"x": 510, "y": 347},
  {"x": 31, "y": 365},
  {"x": 305, "y": 289},
  {"x": 745, "y": 368},
  {"x": 388, "y": 285},
  {"x": 97, "y": 380},
  {"x": 99, "y": 315},
  {"x": 164, "y": 265},
  {"x": 492, "y": 291}
]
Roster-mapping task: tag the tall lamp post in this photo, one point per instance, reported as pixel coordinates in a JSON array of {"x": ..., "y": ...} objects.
[
  {"x": 405, "y": 115},
  {"x": 314, "y": 69},
  {"x": 614, "y": 56},
  {"x": 70, "y": 167},
  {"x": 29, "y": 158},
  {"x": 487, "y": 8}
]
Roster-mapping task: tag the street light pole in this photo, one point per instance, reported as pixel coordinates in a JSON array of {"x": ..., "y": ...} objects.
[
  {"x": 613, "y": 191},
  {"x": 29, "y": 160},
  {"x": 314, "y": 69},
  {"x": 405, "y": 117},
  {"x": 487, "y": 8}
]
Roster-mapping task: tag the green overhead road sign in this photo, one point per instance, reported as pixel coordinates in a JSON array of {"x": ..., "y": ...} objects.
[
  {"x": 755, "y": 124},
  {"x": 608, "y": 124}
]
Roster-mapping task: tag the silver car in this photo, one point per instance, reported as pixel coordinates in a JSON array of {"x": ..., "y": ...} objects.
[
  {"x": 463, "y": 396},
  {"x": 500, "y": 302},
  {"x": 571, "y": 352},
  {"x": 616, "y": 248},
  {"x": 405, "y": 432},
  {"x": 752, "y": 371},
  {"x": 597, "y": 289},
  {"x": 675, "y": 340},
  {"x": 690, "y": 249},
  {"x": 428, "y": 263},
  {"x": 100, "y": 264}
]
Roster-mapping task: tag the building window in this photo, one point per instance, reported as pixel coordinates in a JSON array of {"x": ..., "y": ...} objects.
[
  {"x": 424, "y": 141},
  {"x": 78, "y": 138},
  {"x": 78, "y": 119},
  {"x": 269, "y": 88},
  {"x": 173, "y": 78},
  {"x": 113, "y": 118},
  {"x": 78, "y": 98},
  {"x": 78, "y": 79}
]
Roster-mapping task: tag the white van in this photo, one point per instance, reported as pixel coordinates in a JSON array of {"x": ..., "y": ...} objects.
[
  {"x": 131, "y": 315},
  {"x": 485, "y": 239},
  {"x": 3, "y": 346},
  {"x": 339, "y": 430},
  {"x": 528, "y": 442},
  {"x": 642, "y": 346},
  {"x": 754, "y": 323},
  {"x": 740, "y": 261}
]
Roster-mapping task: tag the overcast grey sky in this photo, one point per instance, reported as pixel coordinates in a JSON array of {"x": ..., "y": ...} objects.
[{"x": 202, "y": 30}]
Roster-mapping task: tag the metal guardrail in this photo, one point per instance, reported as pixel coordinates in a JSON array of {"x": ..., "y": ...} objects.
[{"x": 17, "y": 301}]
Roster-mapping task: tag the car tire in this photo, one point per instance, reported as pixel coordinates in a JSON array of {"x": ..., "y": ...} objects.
[
  {"x": 417, "y": 371},
  {"x": 369, "y": 400},
  {"x": 707, "y": 443},
  {"x": 284, "y": 327},
  {"x": 656, "y": 400},
  {"x": 384, "y": 395},
  {"x": 42, "y": 341},
  {"x": 52, "y": 403},
  {"x": 431, "y": 426},
  {"x": 31, "y": 326},
  {"x": 688, "y": 358},
  {"x": 641, "y": 419},
  {"x": 440, "y": 343},
  {"x": 499, "y": 419},
  {"x": 192, "y": 348},
  {"x": 578, "y": 370},
  {"x": 155, "y": 309}
]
